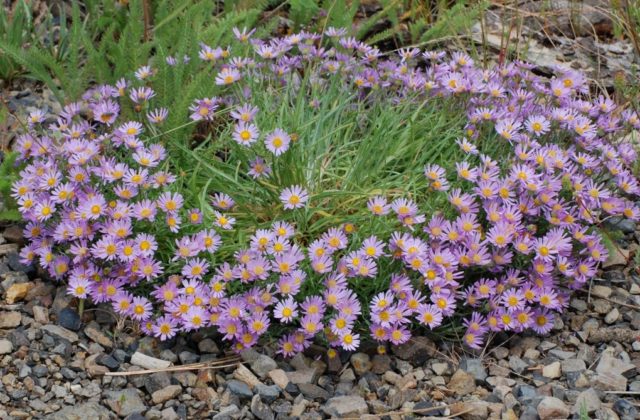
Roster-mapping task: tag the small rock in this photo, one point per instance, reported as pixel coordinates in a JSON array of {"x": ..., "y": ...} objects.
[
  {"x": 125, "y": 402},
  {"x": 306, "y": 376},
  {"x": 392, "y": 377},
  {"x": 156, "y": 381},
  {"x": 471, "y": 410},
  {"x": 279, "y": 377},
  {"x": 474, "y": 367},
  {"x": 69, "y": 319},
  {"x": 612, "y": 316},
  {"x": 426, "y": 407},
  {"x": 207, "y": 394},
  {"x": 68, "y": 373},
  {"x": 345, "y": 406},
  {"x": 17, "y": 291},
  {"x": 347, "y": 376},
  {"x": 552, "y": 408},
  {"x": 88, "y": 391},
  {"x": 108, "y": 361},
  {"x": 260, "y": 409},
  {"x": 606, "y": 335},
  {"x": 92, "y": 367},
  {"x": 578, "y": 304},
  {"x": 417, "y": 350},
  {"x": 439, "y": 368},
  {"x": 13, "y": 234},
  {"x": 228, "y": 412},
  {"x": 24, "y": 371},
  {"x": 41, "y": 314},
  {"x": 298, "y": 408},
  {"x": 168, "y": 414},
  {"x": 292, "y": 389},
  {"x": 380, "y": 364},
  {"x": 299, "y": 362},
  {"x": 40, "y": 371},
  {"x": 462, "y": 383},
  {"x": 562, "y": 354},
  {"x": 245, "y": 375},
  {"x": 622, "y": 224},
  {"x": 60, "y": 332},
  {"x": 609, "y": 381},
  {"x": 619, "y": 256},
  {"x": 552, "y": 371},
  {"x": 588, "y": 401},
  {"x": 262, "y": 365},
  {"x": 517, "y": 364},
  {"x": 208, "y": 346},
  {"x": 572, "y": 365},
  {"x": 334, "y": 364},
  {"x": 495, "y": 381},
  {"x": 186, "y": 357},
  {"x": 93, "y": 332},
  {"x": 313, "y": 392},
  {"x": 239, "y": 389},
  {"x": 165, "y": 394},
  {"x": 398, "y": 399},
  {"x": 6, "y": 346},
  {"x": 601, "y": 291},
  {"x": 531, "y": 354},
  {"x": 361, "y": 363},
  {"x": 268, "y": 393},
  {"x": 148, "y": 362},
  {"x": 60, "y": 301},
  {"x": 6, "y": 249},
  {"x": 10, "y": 319},
  {"x": 625, "y": 409},
  {"x": 611, "y": 364},
  {"x": 186, "y": 379},
  {"x": 85, "y": 411},
  {"x": 168, "y": 355},
  {"x": 500, "y": 352}
]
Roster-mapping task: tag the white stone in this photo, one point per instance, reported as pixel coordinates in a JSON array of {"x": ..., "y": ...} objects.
[
  {"x": 5, "y": 346},
  {"x": 552, "y": 371},
  {"x": 148, "y": 362}
]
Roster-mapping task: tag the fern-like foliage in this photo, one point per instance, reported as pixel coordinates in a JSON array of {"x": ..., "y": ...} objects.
[
  {"x": 15, "y": 31},
  {"x": 8, "y": 174}
]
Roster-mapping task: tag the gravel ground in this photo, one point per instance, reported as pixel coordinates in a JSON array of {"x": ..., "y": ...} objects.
[{"x": 55, "y": 365}]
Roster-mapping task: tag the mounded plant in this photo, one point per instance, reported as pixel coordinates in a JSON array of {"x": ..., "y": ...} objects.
[{"x": 323, "y": 190}]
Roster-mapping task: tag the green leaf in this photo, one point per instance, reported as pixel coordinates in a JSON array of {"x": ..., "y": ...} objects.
[{"x": 302, "y": 11}]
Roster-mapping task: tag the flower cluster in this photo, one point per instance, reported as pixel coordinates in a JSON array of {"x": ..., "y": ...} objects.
[{"x": 102, "y": 212}]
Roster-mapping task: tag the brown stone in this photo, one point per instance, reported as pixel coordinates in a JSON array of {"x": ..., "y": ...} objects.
[
  {"x": 98, "y": 336},
  {"x": 279, "y": 377},
  {"x": 92, "y": 368},
  {"x": 462, "y": 383},
  {"x": 17, "y": 292},
  {"x": 10, "y": 319},
  {"x": 245, "y": 375},
  {"x": 417, "y": 350},
  {"x": 205, "y": 376},
  {"x": 8, "y": 249},
  {"x": 41, "y": 314},
  {"x": 471, "y": 410},
  {"x": 609, "y": 381},
  {"x": 552, "y": 408},
  {"x": 166, "y": 393},
  {"x": 208, "y": 394},
  {"x": 13, "y": 234}
]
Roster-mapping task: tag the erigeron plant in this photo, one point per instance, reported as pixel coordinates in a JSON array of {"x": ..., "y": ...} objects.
[{"x": 273, "y": 235}]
